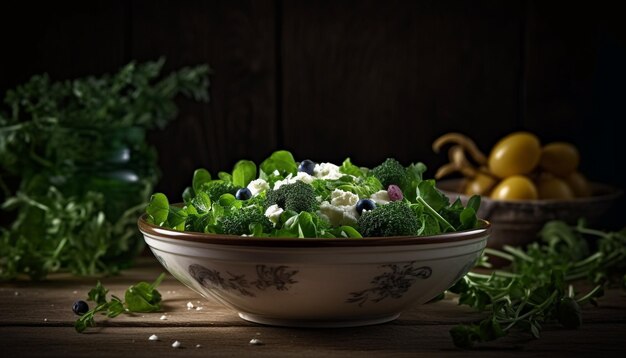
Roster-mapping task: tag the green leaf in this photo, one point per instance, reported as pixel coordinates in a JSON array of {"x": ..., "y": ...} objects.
[
  {"x": 202, "y": 202},
  {"x": 188, "y": 195},
  {"x": 435, "y": 199},
  {"x": 115, "y": 307},
  {"x": 349, "y": 231},
  {"x": 98, "y": 294},
  {"x": 414, "y": 175},
  {"x": 227, "y": 200},
  {"x": 142, "y": 297},
  {"x": 474, "y": 203},
  {"x": 243, "y": 173},
  {"x": 200, "y": 176},
  {"x": 468, "y": 219},
  {"x": 176, "y": 218},
  {"x": 348, "y": 168},
  {"x": 158, "y": 208},
  {"x": 282, "y": 161}
]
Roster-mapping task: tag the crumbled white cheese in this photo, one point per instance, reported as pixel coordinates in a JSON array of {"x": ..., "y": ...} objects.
[
  {"x": 176, "y": 344},
  {"x": 273, "y": 213},
  {"x": 163, "y": 318},
  {"x": 338, "y": 215},
  {"x": 257, "y": 186},
  {"x": 341, "y": 210},
  {"x": 199, "y": 308},
  {"x": 327, "y": 171},
  {"x": 276, "y": 172},
  {"x": 153, "y": 337},
  {"x": 16, "y": 293},
  {"x": 343, "y": 198},
  {"x": 290, "y": 179},
  {"x": 189, "y": 305},
  {"x": 256, "y": 341},
  {"x": 381, "y": 197},
  {"x": 198, "y": 346},
  {"x": 45, "y": 320}
]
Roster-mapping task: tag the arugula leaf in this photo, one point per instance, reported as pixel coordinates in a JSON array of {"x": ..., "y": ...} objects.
[
  {"x": 414, "y": 175},
  {"x": 430, "y": 198}
]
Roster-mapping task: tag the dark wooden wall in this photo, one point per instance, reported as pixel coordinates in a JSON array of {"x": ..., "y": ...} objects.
[{"x": 331, "y": 79}]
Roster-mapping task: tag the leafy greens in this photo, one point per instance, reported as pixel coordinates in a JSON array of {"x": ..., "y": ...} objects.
[
  {"x": 140, "y": 297},
  {"x": 77, "y": 170},
  {"x": 537, "y": 286},
  {"x": 204, "y": 211}
]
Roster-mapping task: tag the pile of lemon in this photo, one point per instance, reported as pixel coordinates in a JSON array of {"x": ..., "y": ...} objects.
[{"x": 518, "y": 167}]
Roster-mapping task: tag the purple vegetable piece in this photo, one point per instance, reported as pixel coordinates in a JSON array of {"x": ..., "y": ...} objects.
[{"x": 395, "y": 193}]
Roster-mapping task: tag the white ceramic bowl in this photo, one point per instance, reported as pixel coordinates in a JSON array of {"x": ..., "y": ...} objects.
[{"x": 316, "y": 282}]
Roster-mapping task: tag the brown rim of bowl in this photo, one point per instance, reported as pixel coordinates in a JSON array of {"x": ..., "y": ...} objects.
[{"x": 234, "y": 240}]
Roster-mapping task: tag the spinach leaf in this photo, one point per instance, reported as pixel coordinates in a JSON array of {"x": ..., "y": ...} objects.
[
  {"x": 243, "y": 173},
  {"x": 282, "y": 161},
  {"x": 200, "y": 176},
  {"x": 158, "y": 209}
]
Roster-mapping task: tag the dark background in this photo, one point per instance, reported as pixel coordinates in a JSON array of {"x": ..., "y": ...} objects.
[{"x": 332, "y": 79}]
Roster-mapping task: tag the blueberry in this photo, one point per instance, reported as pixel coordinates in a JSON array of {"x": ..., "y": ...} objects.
[
  {"x": 243, "y": 194},
  {"x": 80, "y": 307},
  {"x": 307, "y": 166},
  {"x": 395, "y": 193},
  {"x": 365, "y": 204}
]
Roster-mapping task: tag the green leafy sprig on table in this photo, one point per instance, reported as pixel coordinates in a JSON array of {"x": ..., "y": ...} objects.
[
  {"x": 84, "y": 170},
  {"x": 537, "y": 287},
  {"x": 142, "y": 297},
  {"x": 210, "y": 205}
]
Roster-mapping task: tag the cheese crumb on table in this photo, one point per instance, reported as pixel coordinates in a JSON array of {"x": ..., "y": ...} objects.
[
  {"x": 153, "y": 337},
  {"x": 256, "y": 341},
  {"x": 176, "y": 344}
]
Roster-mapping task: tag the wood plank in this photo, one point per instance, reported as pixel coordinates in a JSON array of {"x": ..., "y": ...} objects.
[
  {"x": 373, "y": 79},
  {"x": 237, "y": 40},
  {"x": 387, "y": 340}
]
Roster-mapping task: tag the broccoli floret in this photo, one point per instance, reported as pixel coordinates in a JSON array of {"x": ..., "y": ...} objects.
[
  {"x": 237, "y": 222},
  {"x": 216, "y": 188},
  {"x": 298, "y": 197},
  {"x": 390, "y": 172},
  {"x": 393, "y": 219}
]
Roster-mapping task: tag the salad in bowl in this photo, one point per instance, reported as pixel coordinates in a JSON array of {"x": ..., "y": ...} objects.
[{"x": 287, "y": 199}]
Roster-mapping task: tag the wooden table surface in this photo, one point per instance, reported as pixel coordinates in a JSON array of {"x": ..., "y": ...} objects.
[{"x": 36, "y": 319}]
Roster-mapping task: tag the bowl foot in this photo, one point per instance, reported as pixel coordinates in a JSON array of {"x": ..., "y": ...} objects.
[{"x": 367, "y": 321}]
